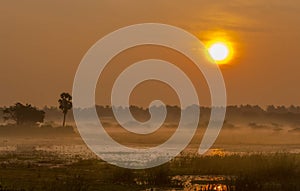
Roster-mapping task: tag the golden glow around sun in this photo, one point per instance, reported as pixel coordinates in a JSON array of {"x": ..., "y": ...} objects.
[{"x": 220, "y": 52}]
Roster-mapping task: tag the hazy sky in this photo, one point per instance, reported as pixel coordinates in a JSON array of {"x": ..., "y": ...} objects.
[{"x": 43, "y": 42}]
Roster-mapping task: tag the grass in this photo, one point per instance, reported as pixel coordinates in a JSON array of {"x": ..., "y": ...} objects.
[
  {"x": 252, "y": 172},
  {"x": 280, "y": 171}
]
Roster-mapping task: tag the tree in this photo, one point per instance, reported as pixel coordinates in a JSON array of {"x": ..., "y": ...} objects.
[
  {"x": 23, "y": 114},
  {"x": 65, "y": 104},
  {"x": 271, "y": 109}
]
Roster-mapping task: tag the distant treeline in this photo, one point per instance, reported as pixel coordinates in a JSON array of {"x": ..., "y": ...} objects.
[{"x": 241, "y": 113}]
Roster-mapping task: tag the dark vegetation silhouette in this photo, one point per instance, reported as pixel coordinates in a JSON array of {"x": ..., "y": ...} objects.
[
  {"x": 244, "y": 114},
  {"x": 65, "y": 104},
  {"x": 253, "y": 116},
  {"x": 23, "y": 114}
]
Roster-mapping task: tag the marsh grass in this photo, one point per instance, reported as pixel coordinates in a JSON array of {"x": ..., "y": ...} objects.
[{"x": 278, "y": 171}]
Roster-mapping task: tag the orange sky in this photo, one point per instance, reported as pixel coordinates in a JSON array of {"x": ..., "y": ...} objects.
[{"x": 43, "y": 42}]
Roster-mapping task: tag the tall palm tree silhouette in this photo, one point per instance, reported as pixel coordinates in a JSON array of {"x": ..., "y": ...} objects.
[{"x": 65, "y": 104}]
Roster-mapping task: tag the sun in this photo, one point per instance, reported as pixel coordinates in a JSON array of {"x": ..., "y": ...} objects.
[{"x": 220, "y": 52}]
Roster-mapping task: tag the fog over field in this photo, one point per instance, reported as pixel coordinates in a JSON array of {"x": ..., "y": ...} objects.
[{"x": 247, "y": 129}]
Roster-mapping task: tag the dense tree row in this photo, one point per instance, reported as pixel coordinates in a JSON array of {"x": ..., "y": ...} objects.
[{"x": 29, "y": 114}]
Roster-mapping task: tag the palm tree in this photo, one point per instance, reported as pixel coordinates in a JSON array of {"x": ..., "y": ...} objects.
[{"x": 65, "y": 104}]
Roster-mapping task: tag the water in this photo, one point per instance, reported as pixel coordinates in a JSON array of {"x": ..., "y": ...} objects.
[{"x": 199, "y": 183}]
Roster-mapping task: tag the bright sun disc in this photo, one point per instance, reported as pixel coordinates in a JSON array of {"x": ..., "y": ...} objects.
[{"x": 219, "y": 51}]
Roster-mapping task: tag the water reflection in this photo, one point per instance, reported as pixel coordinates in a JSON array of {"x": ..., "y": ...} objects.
[{"x": 200, "y": 183}]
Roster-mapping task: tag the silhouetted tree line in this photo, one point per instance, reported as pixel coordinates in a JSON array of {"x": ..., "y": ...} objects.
[
  {"x": 242, "y": 113},
  {"x": 27, "y": 113}
]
